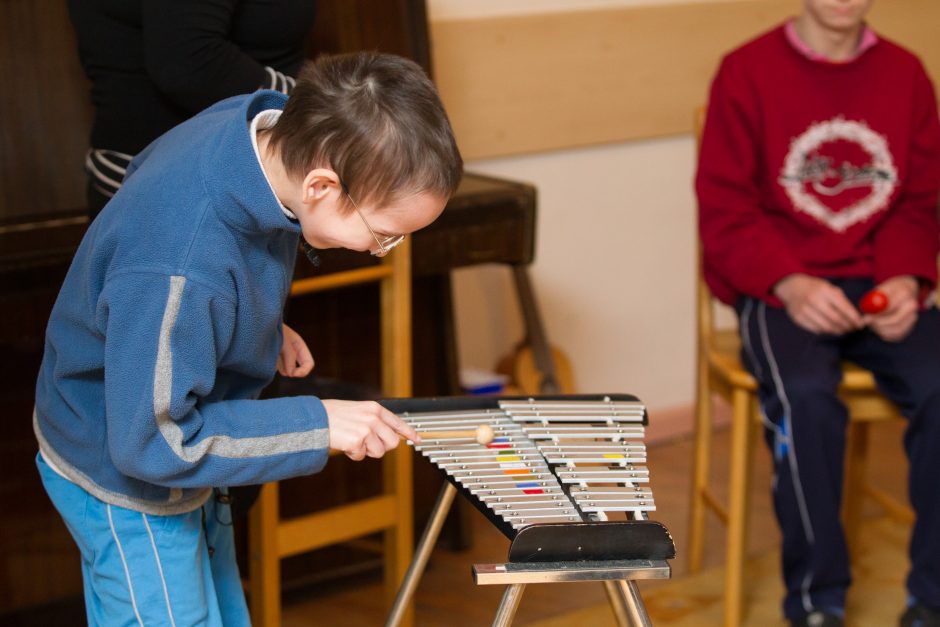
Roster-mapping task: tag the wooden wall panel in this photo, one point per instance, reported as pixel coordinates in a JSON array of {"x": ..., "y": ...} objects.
[
  {"x": 44, "y": 109},
  {"x": 531, "y": 83}
]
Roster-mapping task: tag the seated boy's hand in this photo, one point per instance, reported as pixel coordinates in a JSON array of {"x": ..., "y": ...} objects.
[
  {"x": 364, "y": 428},
  {"x": 896, "y": 321},
  {"x": 295, "y": 359},
  {"x": 817, "y": 305}
]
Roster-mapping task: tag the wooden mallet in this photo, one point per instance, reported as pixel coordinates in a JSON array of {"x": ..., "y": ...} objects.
[{"x": 483, "y": 434}]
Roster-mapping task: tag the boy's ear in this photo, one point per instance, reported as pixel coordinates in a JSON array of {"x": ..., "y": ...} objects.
[{"x": 319, "y": 184}]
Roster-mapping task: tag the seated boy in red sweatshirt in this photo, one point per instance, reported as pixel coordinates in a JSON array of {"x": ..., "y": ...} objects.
[{"x": 817, "y": 183}]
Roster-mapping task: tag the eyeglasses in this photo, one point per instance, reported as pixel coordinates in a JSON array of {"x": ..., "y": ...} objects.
[{"x": 386, "y": 243}]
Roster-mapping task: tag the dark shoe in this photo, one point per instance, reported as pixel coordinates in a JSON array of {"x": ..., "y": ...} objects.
[
  {"x": 818, "y": 618},
  {"x": 919, "y": 615}
]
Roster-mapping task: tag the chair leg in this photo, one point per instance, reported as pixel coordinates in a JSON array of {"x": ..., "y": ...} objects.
[
  {"x": 265, "y": 565},
  {"x": 853, "y": 491},
  {"x": 398, "y": 540},
  {"x": 739, "y": 484},
  {"x": 700, "y": 475}
]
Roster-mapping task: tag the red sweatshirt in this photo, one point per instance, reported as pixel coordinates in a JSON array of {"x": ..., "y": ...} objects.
[{"x": 830, "y": 169}]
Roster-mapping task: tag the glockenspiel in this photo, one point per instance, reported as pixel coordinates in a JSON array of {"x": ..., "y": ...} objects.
[{"x": 565, "y": 479}]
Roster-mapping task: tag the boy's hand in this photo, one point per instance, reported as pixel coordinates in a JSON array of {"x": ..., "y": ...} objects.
[
  {"x": 817, "y": 305},
  {"x": 896, "y": 321},
  {"x": 364, "y": 428},
  {"x": 295, "y": 359}
]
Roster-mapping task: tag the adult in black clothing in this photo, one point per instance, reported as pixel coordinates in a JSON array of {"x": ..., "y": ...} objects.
[{"x": 154, "y": 63}]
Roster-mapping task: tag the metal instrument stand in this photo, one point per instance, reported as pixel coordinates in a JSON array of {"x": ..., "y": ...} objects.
[
  {"x": 428, "y": 539},
  {"x": 617, "y": 576}
]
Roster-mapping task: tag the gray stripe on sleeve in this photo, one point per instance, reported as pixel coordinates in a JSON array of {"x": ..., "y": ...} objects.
[{"x": 220, "y": 445}]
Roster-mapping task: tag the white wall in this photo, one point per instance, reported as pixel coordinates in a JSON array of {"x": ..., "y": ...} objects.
[
  {"x": 615, "y": 256},
  {"x": 614, "y": 269}
]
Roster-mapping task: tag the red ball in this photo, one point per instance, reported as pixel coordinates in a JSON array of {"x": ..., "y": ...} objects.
[{"x": 873, "y": 302}]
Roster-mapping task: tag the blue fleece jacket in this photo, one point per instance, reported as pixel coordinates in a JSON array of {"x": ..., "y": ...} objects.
[{"x": 168, "y": 326}]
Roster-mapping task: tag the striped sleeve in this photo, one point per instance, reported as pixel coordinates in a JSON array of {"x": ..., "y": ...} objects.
[{"x": 107, "y": 169}]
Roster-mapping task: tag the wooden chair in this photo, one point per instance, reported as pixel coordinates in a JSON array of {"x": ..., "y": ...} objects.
[
  {"x": 719, "y": 371},
  {"x": 272, "y": 539}
]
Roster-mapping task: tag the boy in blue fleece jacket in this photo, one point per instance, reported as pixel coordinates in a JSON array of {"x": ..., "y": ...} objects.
[{"x": 169, "y": 324}]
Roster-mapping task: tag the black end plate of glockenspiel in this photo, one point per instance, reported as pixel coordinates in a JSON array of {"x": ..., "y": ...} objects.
[{"x": 595, "y": 541}]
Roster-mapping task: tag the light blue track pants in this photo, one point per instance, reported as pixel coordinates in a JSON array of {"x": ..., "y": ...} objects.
[{"x": 141, "y": 569}]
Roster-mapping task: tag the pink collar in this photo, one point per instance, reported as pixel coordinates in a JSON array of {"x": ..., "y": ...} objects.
[{"x": 869, "y": 39}]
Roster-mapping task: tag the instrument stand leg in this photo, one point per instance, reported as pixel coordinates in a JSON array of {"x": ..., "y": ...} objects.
[
  {"x": 626, "y": 603},
  {"x": 619, "y": 574},
  {"x": 509, "y": 605},
  {"x": 428, "y": 539},
  {"x": 616, "y": 603}
]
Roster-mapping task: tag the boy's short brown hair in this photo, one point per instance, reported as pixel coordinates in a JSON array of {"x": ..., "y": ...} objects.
[{"x": 376, "y": 120}]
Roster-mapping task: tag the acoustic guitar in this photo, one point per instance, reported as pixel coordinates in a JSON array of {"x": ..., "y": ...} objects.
[{"x": 535, "y": 367}]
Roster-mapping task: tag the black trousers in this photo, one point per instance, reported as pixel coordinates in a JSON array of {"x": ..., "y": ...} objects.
[{"x": 805, "y": 425}]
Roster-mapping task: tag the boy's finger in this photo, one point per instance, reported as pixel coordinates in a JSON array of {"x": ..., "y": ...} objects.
[
  {"x": 357, "y": 454},
  {"x": 388, "y": 437},
  {"x": 400, "y": 426},
  {"x": 374, "y": 446},
  {"x": 846, "y": 311},
  {"x": 304, "y": 356},
  {"x": 303, "y": 369}
]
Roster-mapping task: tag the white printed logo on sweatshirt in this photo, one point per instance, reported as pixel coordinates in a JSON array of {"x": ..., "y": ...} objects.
[{"x": 839, "y": 172}]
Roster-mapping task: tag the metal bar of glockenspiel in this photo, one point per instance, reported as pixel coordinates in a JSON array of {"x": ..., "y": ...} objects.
[
  {"x": 428, "y": 539},
  {"x": 562, "y": 417},
  {"x": 582, "y": 433},
  {"x": 592, "y": 446},
  {"x": 611, "y": 493},
  {"x": 456, "y": 416},
  {"x": 620, "y": 458},
  {"x": 600, "y": 476},
  {"x": 448, "y": 452},
  {"x": 543, "y": 478},
  {"x": 583, "y": 405},
  {"x": 470, "y": 462},
  {"x": 508, "y": 492},
  {"x": 631, "y": 501},
  {"x": 557, "y": 497}
]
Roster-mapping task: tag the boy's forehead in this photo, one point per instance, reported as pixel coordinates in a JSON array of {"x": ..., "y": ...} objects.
[{"x": 410, "y": 213}]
